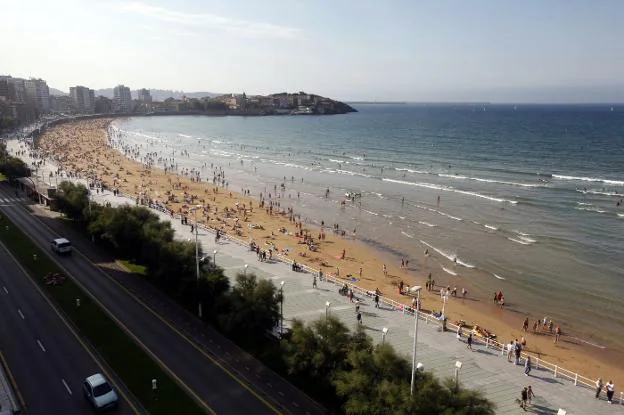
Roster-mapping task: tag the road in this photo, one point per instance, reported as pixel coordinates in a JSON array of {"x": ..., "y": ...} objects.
[
  {"x": 48, "y": 362},
  {"x": 209, "y": 380}
]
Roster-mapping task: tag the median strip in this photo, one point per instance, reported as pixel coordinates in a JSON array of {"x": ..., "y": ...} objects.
[{"x": 131, "y": 363}]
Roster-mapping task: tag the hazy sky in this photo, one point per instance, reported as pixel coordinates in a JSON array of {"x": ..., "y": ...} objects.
[{"x": 432, "y": 50}]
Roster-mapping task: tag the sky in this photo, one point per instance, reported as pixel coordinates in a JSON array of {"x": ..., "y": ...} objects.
[{"x": 430, "y": 50}]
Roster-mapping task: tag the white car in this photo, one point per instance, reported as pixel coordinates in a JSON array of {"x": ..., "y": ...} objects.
[
  {"x": 99, "y": 392},
  {"x": 61, "y": 246}
]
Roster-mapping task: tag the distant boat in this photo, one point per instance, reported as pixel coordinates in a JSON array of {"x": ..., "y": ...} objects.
[{"x": 611, "y": 109}]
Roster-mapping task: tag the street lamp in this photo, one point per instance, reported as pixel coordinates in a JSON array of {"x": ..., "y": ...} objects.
[
  {"x": 327, "y": 305},
  {"x": 199, "y": 306},
  {"x": 214, "y": 257},
  {"x": 458, "y": 365},
  {"x": 245, "y": 269},
  {"x": 281, "y": 307},
  {"x": 416, "y": 312},
  {"x": 384, "y": 332},
  {"x": 444, "y": 300}
]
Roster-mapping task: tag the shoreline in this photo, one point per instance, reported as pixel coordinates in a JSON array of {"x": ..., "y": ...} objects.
[{"x": 505, "y": 323}]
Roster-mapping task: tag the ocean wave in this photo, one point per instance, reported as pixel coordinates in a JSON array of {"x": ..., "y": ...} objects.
[
  {"x": 498, "y": 276},
  {"x": 584, "y": 204},
  {"x": 589, "y": 179},
  {"x": 347, "y": 172},
  {"x": 412, "y": 171},
  {"x": 518, "y": 241},
  {"x": 526, "y": 239},
  {"x": 431, "y": 225},
  {"x": 450, "y": 189},
  {"x": 491, "y": 227},
  {"x": 184, "y": 135},
  {"x": 482, "y": 180},
  {"x": 590, "y": 209},
  {"x": 597, "y": 192},
  {"x": 620, "y": 215},
  {"x": 338, "y": 161},
  {"x": 448, "y": 256},
  {"x": 371, "y": 213},
  {"x": 407, "y": 234},
  {"x": 449, "y": 271}
]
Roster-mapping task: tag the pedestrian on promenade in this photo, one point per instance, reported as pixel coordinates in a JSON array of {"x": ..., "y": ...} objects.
[
  {"x": 359, "y": 318},
  {"x": 469, "y": 341},
  {"x": 598, "y": 387},
  {"x": 510, "y": 348},
  {"x": 527, "y": 366},
  {"x": 459, "y": 332},
  {"x": 314, "y": 282},
  {"x": 530, "y": 395},
  {"x": 357, "y": 306},
  {"x": 524, "y": 395},
  {"x": 376, "y": 300},
  {"x": 610, "y": 390},
  {"x": 517, "y": 350}
]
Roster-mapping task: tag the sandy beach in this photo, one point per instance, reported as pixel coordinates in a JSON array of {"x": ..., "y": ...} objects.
[{"x": 82, "y": 147}]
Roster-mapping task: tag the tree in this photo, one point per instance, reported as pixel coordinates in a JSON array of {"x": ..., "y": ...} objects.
[
  {"x": 253, "y": 306},
  {"x": 72, "y": 199},
  {"x": 10, "y": 166}
]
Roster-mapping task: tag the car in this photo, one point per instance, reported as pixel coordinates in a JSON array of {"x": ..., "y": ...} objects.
[
  {"x": 61, "y": 246},
  {"x": 99, "y": 392}
]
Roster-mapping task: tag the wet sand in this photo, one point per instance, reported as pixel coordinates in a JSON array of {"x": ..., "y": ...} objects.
[{"x": 82, "y": 147}]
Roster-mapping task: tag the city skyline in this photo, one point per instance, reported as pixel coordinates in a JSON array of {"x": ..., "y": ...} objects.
[{"x": 443, "y": 51}]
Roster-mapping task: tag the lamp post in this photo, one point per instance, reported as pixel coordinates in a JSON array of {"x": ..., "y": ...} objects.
[
  {"x": 282, "y": 308},
  {"x": 199, "y": 306},
  {"x": 416, "y": 312},
  {"x": 384, "y": 333},
  {"x": 444, "y": 300},
  {"x": 214, "y": 257},
  {"x": 327, "y": 305},
  {"x": 458, "y": 365},
  {"x": 245, "y": 269}
]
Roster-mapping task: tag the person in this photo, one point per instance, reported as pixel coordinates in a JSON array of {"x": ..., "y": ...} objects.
[
  {"x": 510, "y": 348},
  {"x": 524, "y": 395},
  {"x": 530, "y": 394},
  {"x": 557, "y": 334},
  {"x": 314, "y": 282},
  {"x": 376, "y": 300},
  {"x": 610, "y": 390},
  {"x": 525, "y": 325},
  {"x": 464, "y": 292},
  {"x": 518, "y": 351},
  {"x": 357, "y": 306},
  {"x": 598, "y": 387},
  {"x": 469, "y": 341},
  {"x": 359, "y": 318},
  {"x": 527, "y": 366},
  {"x": 459, "y": 332}
]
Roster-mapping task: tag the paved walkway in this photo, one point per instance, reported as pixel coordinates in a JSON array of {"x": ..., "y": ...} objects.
[{"x": 483, "y": 369}]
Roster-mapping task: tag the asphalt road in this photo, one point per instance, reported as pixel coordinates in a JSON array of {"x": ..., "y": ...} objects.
[
  {"x": 221, "y": 391},
  {"x": 48, "y": 362}
]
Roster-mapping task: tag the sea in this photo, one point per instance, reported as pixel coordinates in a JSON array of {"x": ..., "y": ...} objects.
[{"x": 523, "y": 199}]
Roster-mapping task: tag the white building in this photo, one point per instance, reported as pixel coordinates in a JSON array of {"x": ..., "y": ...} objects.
[
  {"x": 83, "y": 99},
  {"x": 144, "y": 95},
  {"x": 38, "y": 93},
  {"x": 122, "y": 100}
]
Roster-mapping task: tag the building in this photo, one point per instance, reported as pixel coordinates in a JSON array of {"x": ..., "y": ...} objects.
[
  {"x": 62, "y": 103},
  {"x": 122, "y": 100},
  {"x": 103, "y": 105},
  {"x": 144, "y": 95},
  {"x": 4, "y": 90},
  {"x": 83, "y": 99},
  {"x": 38, "y": 93}
]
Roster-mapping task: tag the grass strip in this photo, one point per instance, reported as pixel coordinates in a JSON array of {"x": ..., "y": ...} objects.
[
  {"x": 132, "y": 267},
  {"x": 131, "y": 363}
]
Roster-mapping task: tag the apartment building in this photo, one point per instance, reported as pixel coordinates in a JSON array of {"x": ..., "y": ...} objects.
[
  {"x": 38, "y": 93},
  {"x": 122, "y": 100},
  {"x": 83, "y": 99},
  {"x": 144, "y": 95}
]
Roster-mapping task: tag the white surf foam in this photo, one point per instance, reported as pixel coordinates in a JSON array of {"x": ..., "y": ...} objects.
[
  {"x": 407, "y": 234},
  {"x": 185, "y": 136},
  {"x": 589, "y": 179},
  {"x": 591, "y": 209},
  {"x": 498, "y": 276},
  {"x": 480, "y": 179},
  {"x": 491, "y": 227},
  {"x": 449, "y": 271},
  {"x": 518, "y": 241},
  {"x": 431, "y": 225},
  {"x": 448, "y": 256},
  {"x": 451, "y": 189}
]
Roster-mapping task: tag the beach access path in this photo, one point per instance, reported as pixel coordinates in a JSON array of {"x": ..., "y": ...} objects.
[{"x": 484, "y": 369}]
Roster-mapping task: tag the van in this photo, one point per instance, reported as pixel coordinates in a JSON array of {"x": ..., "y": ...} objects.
[{"x": 61, "y": 246}]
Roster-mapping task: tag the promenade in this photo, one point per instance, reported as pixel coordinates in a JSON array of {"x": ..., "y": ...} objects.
[{"x": 485, "y": 368}]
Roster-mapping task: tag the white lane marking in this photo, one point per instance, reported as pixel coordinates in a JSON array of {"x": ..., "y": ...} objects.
[
  {"x": 66, "y": 386},
  {"x": 5, "y": 289},
  {"x": 41, "y": 345},
  {"x": 20, "y": 313}
]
